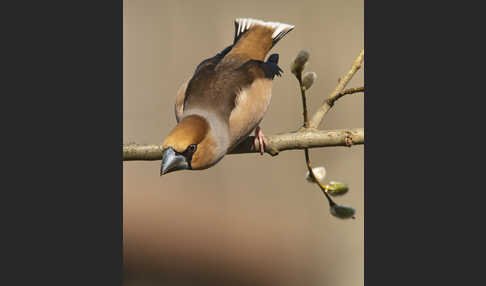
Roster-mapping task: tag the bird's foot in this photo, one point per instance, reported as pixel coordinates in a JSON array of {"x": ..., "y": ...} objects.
[{"x": 260, "y": 139}]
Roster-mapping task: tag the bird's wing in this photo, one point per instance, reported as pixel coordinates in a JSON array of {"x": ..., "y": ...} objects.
[
  {"x": 179, "y": 104},
  {"x": 236, "y": 93},
  {"x": 181, "y": 93},
  {"x": 217, "y": 81}
]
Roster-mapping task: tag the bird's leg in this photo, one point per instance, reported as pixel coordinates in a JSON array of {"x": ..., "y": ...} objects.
[{"x": 260, "y": 139}]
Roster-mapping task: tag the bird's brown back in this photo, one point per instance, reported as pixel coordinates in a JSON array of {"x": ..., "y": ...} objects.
[
  {"x": 217, "y": 81},
  {"x": 216, "y": 86}
]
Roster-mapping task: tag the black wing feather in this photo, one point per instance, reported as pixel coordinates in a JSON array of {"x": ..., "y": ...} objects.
[
  {"x": 214, "y": 60},
  {"x": 270, "y": 68}
]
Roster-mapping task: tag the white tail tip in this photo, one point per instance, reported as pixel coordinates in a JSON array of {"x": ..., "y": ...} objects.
[{"x": 279, "y": 29}]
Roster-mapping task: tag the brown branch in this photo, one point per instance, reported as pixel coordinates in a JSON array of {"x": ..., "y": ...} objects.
[
  {"x": 331, "y": 101},
  {"x": 304, "y": 101},
  {"x": 305, "y": 138},
  {"x": 324, "y": 108}
]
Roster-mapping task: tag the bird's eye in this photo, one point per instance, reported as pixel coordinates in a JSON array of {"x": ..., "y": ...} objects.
[{"x": 192, "y": 148}]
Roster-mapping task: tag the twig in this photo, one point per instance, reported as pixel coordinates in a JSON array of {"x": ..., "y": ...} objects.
[
  {"x": 304, "y": 100},
  {"x": 343, "y": 93},
  {"x": 306, "y": 150},
  {"x": 324, "y": 108},
  {"x": 307, "y": 138},
  {"x": 314, "y": 177}
]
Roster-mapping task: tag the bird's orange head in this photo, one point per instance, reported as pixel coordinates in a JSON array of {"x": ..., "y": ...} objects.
[{"x": 189, "y": 146}]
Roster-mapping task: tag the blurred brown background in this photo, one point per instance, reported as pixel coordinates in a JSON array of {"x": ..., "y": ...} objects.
[{"x": 250, "y": 219}]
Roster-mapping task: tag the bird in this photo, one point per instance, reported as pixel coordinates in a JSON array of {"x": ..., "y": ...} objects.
[{"x": 225, "y": 99}]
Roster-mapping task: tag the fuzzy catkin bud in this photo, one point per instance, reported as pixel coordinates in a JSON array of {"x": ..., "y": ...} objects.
[
  {"x": 337, "y": 188},
  {"x": 320, "y": 173},
  {"x": 308, "y": 79},
  {"x": 299, "y": 62},
  {"x": 342, "y": 211}
]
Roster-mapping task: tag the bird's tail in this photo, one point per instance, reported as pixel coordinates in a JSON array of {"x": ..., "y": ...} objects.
[{"x": 257, "y": 37}]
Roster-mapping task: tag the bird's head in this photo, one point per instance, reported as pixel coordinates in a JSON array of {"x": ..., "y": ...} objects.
[{"x": 189, "y": 146}]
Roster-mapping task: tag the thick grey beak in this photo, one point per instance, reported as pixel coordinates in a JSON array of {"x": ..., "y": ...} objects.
[{"x": 172, "y": 162}]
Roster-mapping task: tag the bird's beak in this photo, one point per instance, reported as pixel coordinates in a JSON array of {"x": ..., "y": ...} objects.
[{"x": 172, "y": 162}]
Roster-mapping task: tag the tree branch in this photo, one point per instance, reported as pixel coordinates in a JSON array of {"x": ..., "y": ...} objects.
[
  {"x": 324, "y": 108},
  {"x": 343, "y": 93},
  {"x": 306, "y": 138}
]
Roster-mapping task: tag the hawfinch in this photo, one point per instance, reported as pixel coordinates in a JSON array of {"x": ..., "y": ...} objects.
[{"x": 225, "y": 99}]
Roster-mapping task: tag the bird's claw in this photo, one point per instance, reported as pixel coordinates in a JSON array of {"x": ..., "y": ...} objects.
[{"x": 260, "y": 139}]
